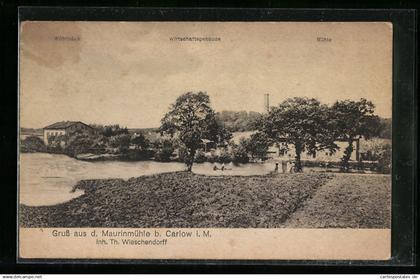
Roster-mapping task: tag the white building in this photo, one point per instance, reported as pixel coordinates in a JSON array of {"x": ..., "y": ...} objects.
[{"x": 63, "y": 128}]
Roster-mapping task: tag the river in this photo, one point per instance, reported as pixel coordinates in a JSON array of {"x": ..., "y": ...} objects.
[{"x": 47, "y": 179}]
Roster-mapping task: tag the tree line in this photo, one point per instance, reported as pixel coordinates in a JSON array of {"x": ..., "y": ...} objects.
[
  {"x": 302, "y": 122},
  {"x": 241, "y": 121}
]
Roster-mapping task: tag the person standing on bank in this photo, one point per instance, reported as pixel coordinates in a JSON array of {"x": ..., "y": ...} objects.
[
  {"x": 292, "y": 167},
  {"x": 284, "y": 166}
]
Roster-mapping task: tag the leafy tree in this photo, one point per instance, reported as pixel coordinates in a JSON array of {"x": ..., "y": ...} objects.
[
  {"x": 257, "y": 145},
  {"x": 191, "y": 119},
  {"x": 353, "y": 120},
  {"x": 303, "y": 122}
]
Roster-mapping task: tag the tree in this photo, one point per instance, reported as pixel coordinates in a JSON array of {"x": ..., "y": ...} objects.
[
  {"x": 191, "y": 119},
  {"x": 257, "y": 145},
  {"x": 353, "y": 120},
  {"x": 302, "y": 122}
]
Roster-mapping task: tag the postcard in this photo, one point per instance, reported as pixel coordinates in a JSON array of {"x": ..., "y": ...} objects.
[{"x": 205, "y": 140}]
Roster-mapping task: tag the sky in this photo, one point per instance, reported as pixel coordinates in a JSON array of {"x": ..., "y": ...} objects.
[{"x": 129, "y": 73}]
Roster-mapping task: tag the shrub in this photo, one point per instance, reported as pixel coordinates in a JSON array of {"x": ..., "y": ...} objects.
[
  {"x": 213, "y": 157},
  {"x": 378, "y": 150},
  {"x": 139, "y": 155},
  {"x": 257, "y": 145},
  {"x": 164, "y": 149},
  {"x": 200, "y": 157},
  {"x": 121, "y": 142},
  {"x": 224, "y": 157},
  {"x": 239, "y": 153},
  {"x": 139, "y": 141},
  {"x": 77, "y": 143},
  {"x": 110, "y": 130},
  {"x": 32, "y": 144},
  {"x": 56, "y": 144},
  {"x": 182, "y": 153},
  {"x": 384, "y": 159}
]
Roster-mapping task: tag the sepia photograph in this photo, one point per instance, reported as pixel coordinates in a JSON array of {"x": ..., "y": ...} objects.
[{"x": 279, "y": 126}]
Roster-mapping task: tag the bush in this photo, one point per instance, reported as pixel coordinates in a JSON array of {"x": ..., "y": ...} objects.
[
  {"x": 212, "y": 158},
  {"x": 110, "y": 130},
  {"x": 257, "y": 145},
  {"x": 121, "y": 141},
  {"x": 224, "y": 157},
  {"x": 384, "y": 159},
  {"x": 378, "y": 150},
  {"x": 240, "y": 154},
  {"x": 32, "y": 144},
  {"x": 78, "y": 143},
  {"x": 139, "y": 141},
  {"x": 56, "y": 144},
  {"x": 164, "y": 149},
  {"x": 182, "y": 153},
  {"x": 200, "y": 157},
  {"x": 139, "y": 155}
]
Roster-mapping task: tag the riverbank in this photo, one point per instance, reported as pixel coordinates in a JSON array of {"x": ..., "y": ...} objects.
[{"x": 181, "y": 199}]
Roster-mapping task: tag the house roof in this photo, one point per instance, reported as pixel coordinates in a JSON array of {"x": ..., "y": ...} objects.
[{"x": 64, "y": 125}]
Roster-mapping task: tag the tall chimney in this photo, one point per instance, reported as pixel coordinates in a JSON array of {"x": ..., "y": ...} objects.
[{"x": 267, "y": 102}]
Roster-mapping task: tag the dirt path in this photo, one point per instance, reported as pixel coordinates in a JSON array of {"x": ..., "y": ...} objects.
[{"x": 347, "y": 201}]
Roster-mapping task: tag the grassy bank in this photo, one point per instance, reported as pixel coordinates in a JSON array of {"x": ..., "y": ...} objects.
[
  {"x": 347, "y": 201},
  {"x": 180, "y": 199}
]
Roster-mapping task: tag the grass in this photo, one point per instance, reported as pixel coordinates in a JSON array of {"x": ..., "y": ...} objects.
[
  {"x": 184, "y": 199},
  {"x": 347, "y": 201},
  {"x": 181, "y": 199}
]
